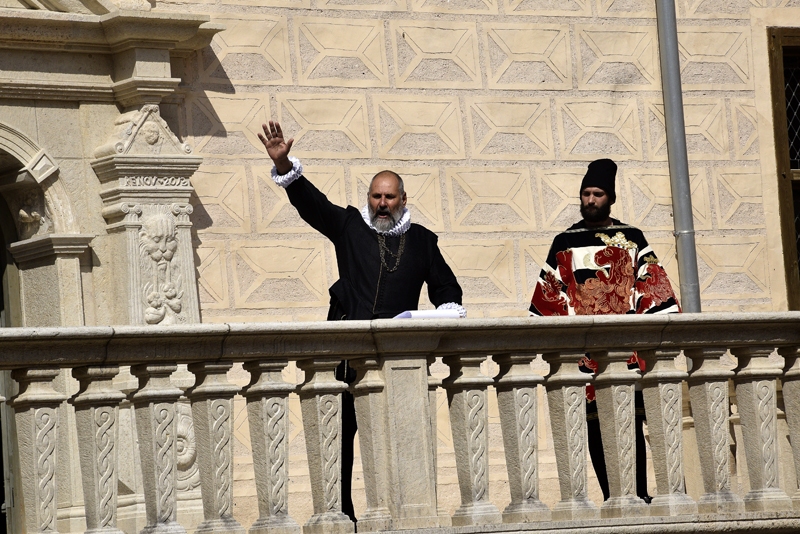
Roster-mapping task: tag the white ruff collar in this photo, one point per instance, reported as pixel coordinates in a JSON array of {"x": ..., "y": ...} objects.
[{"x": 399, "y": 228}]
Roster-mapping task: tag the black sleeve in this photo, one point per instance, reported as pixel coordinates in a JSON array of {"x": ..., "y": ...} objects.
[
  {"x": 315, "y": 208},
  {"x": 442, "y": 284}
]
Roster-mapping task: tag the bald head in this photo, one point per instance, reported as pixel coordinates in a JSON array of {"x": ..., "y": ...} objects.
[{"x": 390, "y": 174}]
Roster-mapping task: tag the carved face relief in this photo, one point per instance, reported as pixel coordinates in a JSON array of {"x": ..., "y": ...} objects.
[
  {"x": 158, "y": 239},
  {"x": 151, "y": 133}
]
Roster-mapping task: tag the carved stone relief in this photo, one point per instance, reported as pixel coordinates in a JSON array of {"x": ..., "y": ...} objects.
[
  {"x": 31, "y": 213},
  {"x": 158, "y": 243}
]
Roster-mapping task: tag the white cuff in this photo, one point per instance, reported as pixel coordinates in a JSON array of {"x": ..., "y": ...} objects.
[
  {"x": 462, "y": 312},
  {"x": 286, "y": 179}
]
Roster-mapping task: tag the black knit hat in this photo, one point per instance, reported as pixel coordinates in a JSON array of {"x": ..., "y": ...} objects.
[{"x": 601, "y": 173}]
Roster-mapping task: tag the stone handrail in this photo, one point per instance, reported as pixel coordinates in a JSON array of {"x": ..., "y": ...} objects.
[{"x": 392, "y": 397}]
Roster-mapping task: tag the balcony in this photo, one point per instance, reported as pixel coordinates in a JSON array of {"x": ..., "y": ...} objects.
[{"x": 394, "y": 392}]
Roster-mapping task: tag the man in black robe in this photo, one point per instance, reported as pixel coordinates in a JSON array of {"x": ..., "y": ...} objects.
[{"x": 383, "y": 260}]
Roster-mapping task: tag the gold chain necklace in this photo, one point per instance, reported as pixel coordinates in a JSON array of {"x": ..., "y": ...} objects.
[{"x": 384, "y": 249}]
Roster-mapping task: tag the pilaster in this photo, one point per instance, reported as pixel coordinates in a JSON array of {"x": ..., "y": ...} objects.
[{"x": 145, "y": 172}]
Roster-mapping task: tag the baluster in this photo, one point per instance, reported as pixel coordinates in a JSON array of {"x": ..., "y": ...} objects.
[
  {"x": 96, "y": 413},
  {"x": 212, "y": 414},
  {"x": 268, "y": 416},
  {"x": 663, "y": 403},
  {"x": 433, "y": 401},
  {"x": 708, "y": 392},
  {"x": 321, "y": 405},
  {"x": 469, "y": 421},
  {"x": 370, "y": 403},
  {"x": 566, "y": 398},
  {"x": 758, "y": 409},
  {"x": 516, "y": 398},
  {"x": 154, "y": 403},
  {"x": 614, "y": 387},
  {"x": 36, "y": 416},
  {"x": 791, "y": 402}
]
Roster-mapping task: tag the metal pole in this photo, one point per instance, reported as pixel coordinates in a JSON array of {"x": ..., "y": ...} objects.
[{"x": 676, "y": 151}]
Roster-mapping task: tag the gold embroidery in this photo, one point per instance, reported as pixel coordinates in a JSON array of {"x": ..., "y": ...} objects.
[
  {"x": 618, "y": 241},
  {"x": 650, "y": 259}
]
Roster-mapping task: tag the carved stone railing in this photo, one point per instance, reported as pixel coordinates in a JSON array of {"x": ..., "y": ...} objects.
[{"x": 393, "y": 392}]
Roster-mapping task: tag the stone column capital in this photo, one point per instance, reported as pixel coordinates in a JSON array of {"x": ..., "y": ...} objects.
[{"x": 564, "y": 370}]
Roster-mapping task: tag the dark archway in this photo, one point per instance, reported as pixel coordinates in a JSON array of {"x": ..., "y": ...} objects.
[{"x": 10, "y": 167}]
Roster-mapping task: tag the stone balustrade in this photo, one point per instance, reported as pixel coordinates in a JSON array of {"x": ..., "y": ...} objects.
[{"x": 393, "y": 395}]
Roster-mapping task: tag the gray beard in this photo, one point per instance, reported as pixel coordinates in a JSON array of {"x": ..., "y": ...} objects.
[{"x": 384, "y": 225}]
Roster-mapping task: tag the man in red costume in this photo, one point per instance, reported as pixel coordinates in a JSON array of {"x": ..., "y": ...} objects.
[{"x": 601, "y": 266}]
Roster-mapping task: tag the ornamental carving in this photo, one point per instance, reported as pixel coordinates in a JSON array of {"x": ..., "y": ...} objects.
[
  {"x": 276, "y": 434},
  {"x": 477, "y": 445},
  {"x": 329, "y": 413},
  {"x": 45, "y": 419},
  {"x": 526, "y": 408},
  {"x": 576, "y": 434},
  {"x": 163, "y": 293},
  {"x": 141, "y": 133},
  {"x": 623, "y": 400},
  {"x": 31, "y": 213},
  {"x": 188, "y": 476}
]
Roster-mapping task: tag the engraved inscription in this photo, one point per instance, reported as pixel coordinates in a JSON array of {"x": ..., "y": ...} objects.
[{"x": 154, "y": 181}]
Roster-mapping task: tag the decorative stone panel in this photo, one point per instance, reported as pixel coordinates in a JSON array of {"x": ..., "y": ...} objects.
[
  {"x": 599, "y": 127},
  {"x": 618, "y": 58},
  {"x": 274, "y": 213},
  {"x": 278, "y": 274},
  {"x": 440, "y": 55},
  {"x": 490, "y": 199},
  {"x": 341, "y": 52},
  {"x": 510, "y": 128},
  {"x": 255, "y": 48},
  {"x": 715, "y": 58},
  {"x": 326, "y": 126},
  {"x": 422, "y": 127},
  {"x": 649, "y": 198},
  {"x": 527, "y": 56},
  {"x": 145, "y": 170},
  {"x": 706, "y": 129},
  {"x": 565, "y": 8},
  {"x": 239, "y": 117}
]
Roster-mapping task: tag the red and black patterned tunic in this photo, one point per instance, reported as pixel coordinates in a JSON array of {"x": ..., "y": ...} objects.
[{"x": 602, "y": 271}]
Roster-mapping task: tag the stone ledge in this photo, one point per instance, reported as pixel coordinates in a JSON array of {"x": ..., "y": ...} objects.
[
  {"x": 337, "y": 340},
  {"x": 778, "y": 522},
  {"x": 48, "y": 245}
]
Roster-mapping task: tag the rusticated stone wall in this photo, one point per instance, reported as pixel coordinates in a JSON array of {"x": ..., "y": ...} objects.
[{"x": 490, "y": 109}]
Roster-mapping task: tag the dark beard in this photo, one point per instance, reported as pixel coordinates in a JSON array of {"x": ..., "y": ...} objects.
[
  {"x": 384, "y": 225},
  {"x": 595, "y": 215}
]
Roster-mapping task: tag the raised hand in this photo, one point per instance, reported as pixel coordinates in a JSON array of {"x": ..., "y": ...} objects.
[{"x": 277, "y": 148}]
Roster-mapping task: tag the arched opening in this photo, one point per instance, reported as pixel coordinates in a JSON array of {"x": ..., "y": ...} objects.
[{"x": 10, "y": 167}]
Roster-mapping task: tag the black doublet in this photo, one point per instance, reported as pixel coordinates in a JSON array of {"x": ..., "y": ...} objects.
[{"x": 366, "y": 289}]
